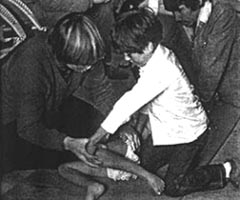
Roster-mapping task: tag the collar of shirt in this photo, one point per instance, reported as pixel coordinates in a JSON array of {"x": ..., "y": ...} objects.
[
  {"x": 159, "y": 51},
  {"x": 204, "y": 13},
  {"x": 153, "y": 4}
]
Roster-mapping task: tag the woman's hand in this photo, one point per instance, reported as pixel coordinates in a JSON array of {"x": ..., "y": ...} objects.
[{"x": 78, "y": 147}]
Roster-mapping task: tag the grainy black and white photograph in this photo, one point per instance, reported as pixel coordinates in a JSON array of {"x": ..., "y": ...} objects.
[{"x": 120, "y": 99}]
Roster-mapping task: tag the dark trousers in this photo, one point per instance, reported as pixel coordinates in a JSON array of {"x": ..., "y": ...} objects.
[
  {"x": 184, "y": 175},
  {"x": 75, "y": 117}
]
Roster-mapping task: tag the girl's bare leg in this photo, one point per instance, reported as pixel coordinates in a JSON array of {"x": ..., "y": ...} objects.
[
  {"x": 113, "y": 160},
  {"x": 75, "y": 173}
]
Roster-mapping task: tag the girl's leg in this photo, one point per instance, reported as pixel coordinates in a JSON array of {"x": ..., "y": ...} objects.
[
  {"x": 113, "y": 160},
  {"x": 76, "y": 172}
]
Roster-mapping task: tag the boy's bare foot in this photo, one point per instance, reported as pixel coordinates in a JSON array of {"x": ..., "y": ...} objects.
[
  {"x": 156, "y": 183},
  {"x": 94, "y": 191}
]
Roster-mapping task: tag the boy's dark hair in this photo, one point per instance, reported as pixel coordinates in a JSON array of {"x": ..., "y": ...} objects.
[
  {"x": 172, "y": 5},
  {"x": 135, "y": 29},
  {"x": 76, "y": 40}
]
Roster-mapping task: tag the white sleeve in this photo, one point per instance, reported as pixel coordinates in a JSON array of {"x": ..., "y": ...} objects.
[{"x": 150, "y": 85}]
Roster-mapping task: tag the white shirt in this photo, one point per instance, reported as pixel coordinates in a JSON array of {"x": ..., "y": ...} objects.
[
  {"x": 204, "y": 13},
  {"x": 175, "y": 113}
]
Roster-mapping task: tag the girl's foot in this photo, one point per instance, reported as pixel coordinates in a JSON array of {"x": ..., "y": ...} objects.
[
  {"x": 156, "y": 183},
  {"x": 94, "y": 191}
]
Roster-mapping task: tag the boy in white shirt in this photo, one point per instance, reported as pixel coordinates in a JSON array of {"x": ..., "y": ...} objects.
[{"x": 177, "y": 120}]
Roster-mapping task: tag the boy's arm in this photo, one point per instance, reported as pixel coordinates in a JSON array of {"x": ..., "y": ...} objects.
[{"x": 149, "y": 85}]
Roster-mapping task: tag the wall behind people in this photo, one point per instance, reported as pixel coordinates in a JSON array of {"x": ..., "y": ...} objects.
[
  {"x": 48, "y": 11},
  {"x": 19, "y": 19}
]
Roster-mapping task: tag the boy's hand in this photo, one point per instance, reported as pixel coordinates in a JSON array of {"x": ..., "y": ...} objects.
[
  {"x": 91, "y": 149},
  {"x": 128, "y": 133},
  {"x": 99, "y": 136}
]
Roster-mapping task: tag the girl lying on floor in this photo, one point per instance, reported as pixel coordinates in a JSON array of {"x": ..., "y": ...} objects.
[{"x": 118, "y": 162}]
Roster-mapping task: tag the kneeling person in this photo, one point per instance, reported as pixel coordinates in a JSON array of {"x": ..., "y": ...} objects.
[{"x": 177, "y": 120}]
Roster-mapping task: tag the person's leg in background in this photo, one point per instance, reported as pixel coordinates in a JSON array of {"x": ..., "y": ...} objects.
[
  {"x": 104, "y": 18},
  {"x": 176, "y": 39},
  {"x": 1, "y": 161}
]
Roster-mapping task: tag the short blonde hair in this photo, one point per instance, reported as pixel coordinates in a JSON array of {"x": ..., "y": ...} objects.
[{"x": 75, "y": 39}]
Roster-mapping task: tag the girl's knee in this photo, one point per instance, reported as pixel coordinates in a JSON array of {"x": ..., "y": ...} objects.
[{"x": 64, "y": 168}]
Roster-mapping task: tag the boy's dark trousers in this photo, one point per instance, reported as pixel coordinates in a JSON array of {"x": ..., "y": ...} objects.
[{"x": 184, "y": 175}]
